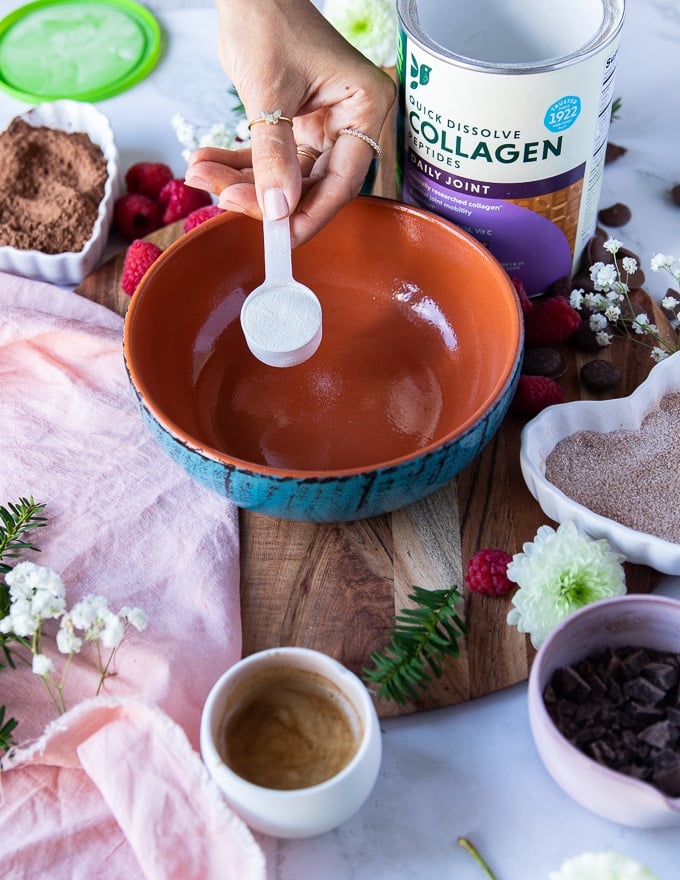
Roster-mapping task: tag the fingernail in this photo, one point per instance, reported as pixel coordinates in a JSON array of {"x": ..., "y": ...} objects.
[
  {"x": 227, "y": 205},
  {"x": 275, "y": 204},
  {"x": 196, "y": 181}
]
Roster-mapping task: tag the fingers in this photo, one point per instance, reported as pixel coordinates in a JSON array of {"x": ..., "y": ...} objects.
[{"x": 276, "y": 168}]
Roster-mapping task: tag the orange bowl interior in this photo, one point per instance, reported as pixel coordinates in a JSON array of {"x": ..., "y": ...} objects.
[{"x": 421, "y": 333}]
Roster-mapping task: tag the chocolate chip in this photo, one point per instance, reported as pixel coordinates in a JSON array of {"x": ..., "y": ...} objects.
[
  {"x": 585, "y": 339},
  {"x": 613, "y": 152},
  {"x": 600, "y": 375},
  {"x": 675, "y": 193},
  {"x": 544, "y": 361},
  {"x": 615, "y": 215}
]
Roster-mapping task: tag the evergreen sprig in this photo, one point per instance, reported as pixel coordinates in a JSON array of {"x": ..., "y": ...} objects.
[
  {"x": 422, "y": 637},
  {"x": 16, "y": 520},
  {"x": 6, "y": 731}
]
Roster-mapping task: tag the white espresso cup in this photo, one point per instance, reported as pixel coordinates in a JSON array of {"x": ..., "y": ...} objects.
[{"x": 292, "y": 739}]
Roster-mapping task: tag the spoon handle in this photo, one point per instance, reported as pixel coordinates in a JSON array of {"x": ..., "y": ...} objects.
[{"x": 277, "y": 257}]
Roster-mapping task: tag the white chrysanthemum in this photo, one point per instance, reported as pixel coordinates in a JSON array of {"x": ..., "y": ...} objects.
[
  {"x": 558, "y": 573},
  {"x": 42, "y": 665},
  {"x": 369, "y": 25},
  {"x": 602, "y": 866}
]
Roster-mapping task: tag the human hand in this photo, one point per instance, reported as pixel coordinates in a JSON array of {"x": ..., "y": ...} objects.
[{"x": 283, "y": 54}]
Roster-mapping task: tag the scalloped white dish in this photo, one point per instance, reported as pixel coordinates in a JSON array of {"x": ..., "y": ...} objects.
[
  {"x": 544, "y": 432},
  {"x": 70, "y": 267}
]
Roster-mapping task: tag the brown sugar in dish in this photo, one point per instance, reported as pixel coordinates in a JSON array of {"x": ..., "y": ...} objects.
[
  {"x": 51, "y": 185},
  {"x": 630, "y": 476}
]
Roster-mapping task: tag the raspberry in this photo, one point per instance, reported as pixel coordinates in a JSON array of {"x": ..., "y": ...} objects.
[
  {"x": 140, "y": 255},
  {"x": 147, "y": 178},
  {"x": 487, "y": 572},
  {"x": 534, "y": 393},
  {"x": 177, "y": 200},
  {"x": 200, "y": 215},
  {"x": 522, "y": 295},
  {"x": 135, "y": 216},
  {"x": 550, "y": 322}
]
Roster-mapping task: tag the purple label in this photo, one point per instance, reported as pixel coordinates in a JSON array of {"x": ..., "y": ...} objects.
[{"x": 526, "y": 243}]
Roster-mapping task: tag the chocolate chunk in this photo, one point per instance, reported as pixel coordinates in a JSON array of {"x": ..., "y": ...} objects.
[
  {"x": 615, "y": 215},
  {"x": 613, "y": 152},
  {"x": 585, "y": 339},
  {"x": 622, "y": 708},
  {"x": 544, "y": 361},
  {"x": 675, "y": 193},
  {"x": 600, "y": 375}
]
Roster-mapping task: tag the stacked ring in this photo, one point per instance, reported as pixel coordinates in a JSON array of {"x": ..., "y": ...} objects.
[
  {"x": 309, "y": 152},
  {"x": 363, "y": 137}
]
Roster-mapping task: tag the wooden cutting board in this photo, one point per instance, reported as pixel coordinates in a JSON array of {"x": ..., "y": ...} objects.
[{"x": 337, "y": 587}]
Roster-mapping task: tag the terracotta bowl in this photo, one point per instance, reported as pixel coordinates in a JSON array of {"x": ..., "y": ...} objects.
[
  {"x": 421, "y": 350},
  {"x": 644, "y": 621}
]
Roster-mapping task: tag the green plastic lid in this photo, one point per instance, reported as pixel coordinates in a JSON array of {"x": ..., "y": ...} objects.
[{"x": 87, "y": 50}]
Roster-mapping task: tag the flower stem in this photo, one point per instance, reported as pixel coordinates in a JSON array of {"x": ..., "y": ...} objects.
[{"x": 474, "y": 852}]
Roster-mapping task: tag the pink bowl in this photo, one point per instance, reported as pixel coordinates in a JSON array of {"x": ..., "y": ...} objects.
[{"x": 634, "y": 620}]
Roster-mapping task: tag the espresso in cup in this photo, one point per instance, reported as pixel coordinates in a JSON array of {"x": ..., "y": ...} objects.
[
  {"x": 289, "y": 728},
  {"x": 292, "y": 739}
]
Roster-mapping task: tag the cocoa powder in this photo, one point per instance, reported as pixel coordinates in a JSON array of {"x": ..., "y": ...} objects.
[
  {"x": 630, "y": 476},
  {"x": 51, "y": 185}
]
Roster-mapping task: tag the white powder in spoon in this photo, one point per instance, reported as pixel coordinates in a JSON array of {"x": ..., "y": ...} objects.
[{"x": 283, "y": 318}]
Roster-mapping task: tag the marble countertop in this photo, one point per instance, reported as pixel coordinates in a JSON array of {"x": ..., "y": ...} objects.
[{"x": 469, "y": 770}]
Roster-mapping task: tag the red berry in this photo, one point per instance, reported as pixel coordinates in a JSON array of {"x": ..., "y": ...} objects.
[
  {"x": 487, "y": 572},
  {"x": 140, "y": 255},
  {"x": 135, "y": 216},
  {"x": 177, "y": 200},
  {"x": 200, "y": 215},
  {"x": 550, "y": 322},
  {"x": 534, "y": 393},
  {"x": 147, "y": 178},
  {"x": 522, "y": 295}
]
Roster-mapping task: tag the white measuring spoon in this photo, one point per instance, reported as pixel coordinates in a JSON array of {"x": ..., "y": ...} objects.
[{"x": 281, "y": 319}]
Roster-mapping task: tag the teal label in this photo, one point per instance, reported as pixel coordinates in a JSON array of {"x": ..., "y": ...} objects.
[{"x": 562, "y": 114}]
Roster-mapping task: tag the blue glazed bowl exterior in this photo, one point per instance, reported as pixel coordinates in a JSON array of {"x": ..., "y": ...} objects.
[{"x": 336, "y": 498}]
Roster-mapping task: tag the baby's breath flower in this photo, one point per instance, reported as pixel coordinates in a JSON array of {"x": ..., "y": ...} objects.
[
  {"x": 558, "y": 573},
  {"x": 603, "y": 338},
  {"x": 670, "y": 303},
  {"x": 369, "y": 25},
  {"x": 603, "y": 275},
  {"x": 612, "y": 245},
  {"x": 67, "y": 640},
  {"x": 602, "y": 866},
  {"x": 112, "y": 631},
  {"x": 597, "y": 322},
  {"x": 576, "y": 298},
  {"x": 135, "y": 617},
  {"x": 658, "y": 354},
  {"x": 42, "y": 665},
  {"x": 661, "y": 261},
  {"x": 629, "y": 265},
  {"x": 86, "y": 613}
]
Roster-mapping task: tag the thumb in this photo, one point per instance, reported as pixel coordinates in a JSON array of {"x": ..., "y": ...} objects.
[{"x": 276, "y": 169}]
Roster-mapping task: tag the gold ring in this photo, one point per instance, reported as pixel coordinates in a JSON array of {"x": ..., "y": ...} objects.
[
  {"x": 270, "y": 118},
  {"x": 309, "y": 152},
  {"x": 363, "y": 137}
]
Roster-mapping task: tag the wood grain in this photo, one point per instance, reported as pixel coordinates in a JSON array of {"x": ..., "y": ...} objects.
[{"x": 337, "y": 587}]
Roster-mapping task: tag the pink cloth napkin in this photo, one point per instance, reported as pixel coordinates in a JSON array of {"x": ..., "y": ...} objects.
[{"x": 117, "y": 780}]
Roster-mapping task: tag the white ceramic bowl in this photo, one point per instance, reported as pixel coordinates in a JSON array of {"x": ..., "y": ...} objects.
[
  {"x": 301, "y": 812},
  {"x": 70, "y": 268},
  {"x": 544, "y": 432},
  {"x": 633, "y": 620}
]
